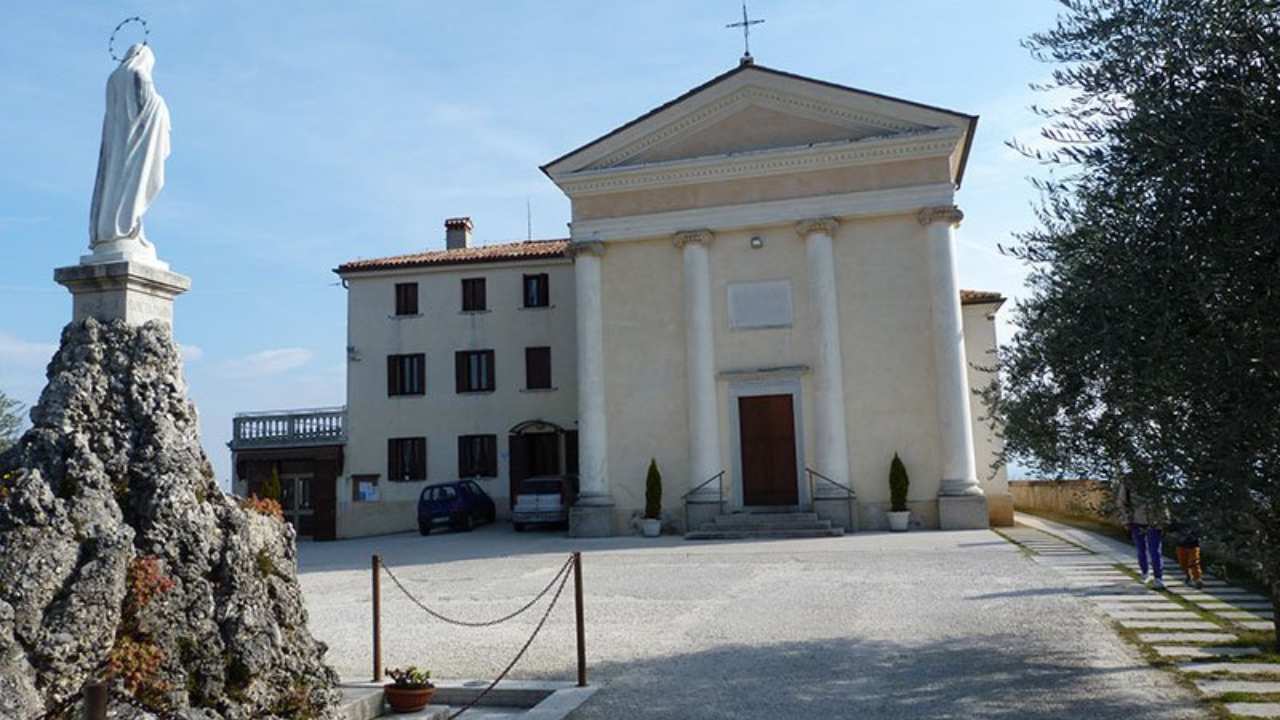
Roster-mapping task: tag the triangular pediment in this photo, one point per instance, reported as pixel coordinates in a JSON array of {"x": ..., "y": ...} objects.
[{"x": 755, "y": 110}]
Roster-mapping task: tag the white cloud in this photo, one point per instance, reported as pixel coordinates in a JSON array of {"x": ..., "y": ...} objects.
[
  {"x": 16, "y": 353},
  {"x": 191, "y": 353},
  {"x": 266, "y": 363}
]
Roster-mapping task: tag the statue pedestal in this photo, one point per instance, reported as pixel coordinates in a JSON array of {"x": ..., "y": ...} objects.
[{"x": 134, "y": 292}]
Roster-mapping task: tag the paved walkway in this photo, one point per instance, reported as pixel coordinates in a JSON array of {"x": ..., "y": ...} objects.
[
  {"x": 870, "y": 625},
  {"x": 1184, "y": 624}
]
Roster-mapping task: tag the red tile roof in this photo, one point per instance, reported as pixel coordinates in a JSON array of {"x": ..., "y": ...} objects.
[
  {"x": 980, "y": 297},
  {"x": 506, "y": 252},
  {"x": 535, "y": 249}
]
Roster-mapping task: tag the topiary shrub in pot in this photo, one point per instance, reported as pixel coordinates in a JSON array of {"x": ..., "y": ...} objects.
[
  {"x": 899, "y": 516},
  {"x": 410, "y": 691},
  {"x": 651, "y": 526}
]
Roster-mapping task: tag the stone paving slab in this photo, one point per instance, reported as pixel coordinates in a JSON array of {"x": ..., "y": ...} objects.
[
  {"x": 1168, "y": 625},
  {"x": 1241, "y": 668},
  {"x": 1234, "y": 606},
  {"x": 1242, "y": 615},
  {"x": 1187, "y": 637},
  {"x": 1154, "y": 615},
  {"x": 1153, "y": 605},
  {"x": 1262, "y": 625},
  {"x": 1261, "y": 710},
  {"x": 1214, "y": 688},
  {"x": 1203, "y": 652}
]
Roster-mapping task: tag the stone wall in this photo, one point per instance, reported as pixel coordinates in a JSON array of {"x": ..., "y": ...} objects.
[{"x": 1082, "y": 498}]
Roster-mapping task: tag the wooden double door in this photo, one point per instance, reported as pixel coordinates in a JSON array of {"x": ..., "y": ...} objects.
[
  {"x": 767, "y": 434},
  {"x": 541, "y": 453}
]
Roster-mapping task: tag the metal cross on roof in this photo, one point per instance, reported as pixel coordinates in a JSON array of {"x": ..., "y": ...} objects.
[{"x": 746, "y": 32}]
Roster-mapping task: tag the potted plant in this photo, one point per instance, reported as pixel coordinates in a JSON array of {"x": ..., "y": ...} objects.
[
  {"x": 899, "y": 516},
  {"x": 411, "y": 690},
  {"x": 651, "y": 526}
]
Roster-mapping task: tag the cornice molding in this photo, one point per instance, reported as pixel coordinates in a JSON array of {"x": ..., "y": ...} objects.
[
  {"x": 764, "y": 163},
  {"x": 870, "y": 203},
  {"x": 744, "y": 97},
  {"x": 585, "y": 247},
  {"x": 697, "y": 237},
  {"x": 825, "y": 226},
  {"x": 949, "y": 214}
]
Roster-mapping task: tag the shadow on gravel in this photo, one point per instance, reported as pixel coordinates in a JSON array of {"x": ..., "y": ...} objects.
[{"x": 869, "y": 681}]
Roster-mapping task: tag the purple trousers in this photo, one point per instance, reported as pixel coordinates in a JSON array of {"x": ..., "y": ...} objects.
[{"x": 1149, "y": 540}]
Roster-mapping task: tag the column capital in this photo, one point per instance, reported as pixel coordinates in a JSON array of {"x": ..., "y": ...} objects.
[
  {"x": 684, "y": 237},
  {"x": 949, "y": 214},
  {"x": 826, "y": 226},
  {"x": 587, "y": 247}
]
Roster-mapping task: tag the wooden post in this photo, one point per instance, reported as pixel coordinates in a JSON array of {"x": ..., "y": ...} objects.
[
  {"x": 577, "y": 611},
  {"x": 377, "y": 618},
  {"x": 95, "y": 701}
]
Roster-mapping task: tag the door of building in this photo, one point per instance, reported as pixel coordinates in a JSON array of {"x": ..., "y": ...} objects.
[
  {"x": 296, "y": 501},
  {"x": 767, "y": 432},
  {"x": 533, "y": 454}
]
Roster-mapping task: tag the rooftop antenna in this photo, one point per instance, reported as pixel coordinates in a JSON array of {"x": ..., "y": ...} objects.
[
  {"x": 746, "y": 24},
  {"x": 528, "y": 219}
]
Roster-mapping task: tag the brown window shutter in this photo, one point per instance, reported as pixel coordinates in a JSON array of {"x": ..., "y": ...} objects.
[
  {"x": 460, "y": 371},
  {"x": 490, "y": 373},
  {"x": 463, "y": 460},
  {"x": 537, "y": 367},
  {"x": 393, "y": 464},
  {"x": 393, "y": 374},
  {"x": 491, "y": 455}
]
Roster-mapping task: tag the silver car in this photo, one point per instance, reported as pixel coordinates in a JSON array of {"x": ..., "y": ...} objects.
[{"x": 544, "y": 499}]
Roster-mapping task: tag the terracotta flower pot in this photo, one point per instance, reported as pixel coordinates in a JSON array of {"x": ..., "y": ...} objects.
[{"x": 405, "y": 699}]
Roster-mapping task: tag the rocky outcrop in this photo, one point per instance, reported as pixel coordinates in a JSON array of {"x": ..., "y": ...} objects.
[{"x": 121, "y": 557}]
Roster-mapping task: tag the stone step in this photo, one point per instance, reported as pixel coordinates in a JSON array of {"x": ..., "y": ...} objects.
[
  {"x": 1214, "y": 688},
  {"x": 1254, "y": 710},
  {"x": 1204, "y": 652},
  {"x": 1242, "y": 668},
  {"x": 1186, "y": 637},
  {"x": 757, "y": 519},
  {"x": 709, "y": 533}
]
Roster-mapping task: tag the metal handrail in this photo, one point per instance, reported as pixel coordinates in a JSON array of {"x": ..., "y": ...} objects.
[
  {"x": 813, "y": 492},
  {"x": 703, "y": 484},
  {"x": 719, "y": 496}
]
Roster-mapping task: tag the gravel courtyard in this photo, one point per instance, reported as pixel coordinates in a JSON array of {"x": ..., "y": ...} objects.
[{"x": 918, "y": 625}]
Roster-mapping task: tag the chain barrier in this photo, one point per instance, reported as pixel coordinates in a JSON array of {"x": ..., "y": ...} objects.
[
  {"x": 502, "y": 676},
  {"x": 564, "y": 570},
  {"x": 61, "y": 710},
  {"x": 137, "y": 704}
]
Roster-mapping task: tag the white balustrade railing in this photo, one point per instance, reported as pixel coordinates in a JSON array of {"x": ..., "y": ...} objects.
[{"x": 316, "y": 426}]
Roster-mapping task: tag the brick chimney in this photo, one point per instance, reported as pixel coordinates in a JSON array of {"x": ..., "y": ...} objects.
[{"x": 457, "y": 233}]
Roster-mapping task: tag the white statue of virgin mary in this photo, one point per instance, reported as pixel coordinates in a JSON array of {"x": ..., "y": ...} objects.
[{"x": 135, "y": 143}]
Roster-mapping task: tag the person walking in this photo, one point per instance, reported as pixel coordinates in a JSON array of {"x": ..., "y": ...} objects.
[
  {"x": 1146, "y": 521},
  {"x": 1189, "y": 556}
]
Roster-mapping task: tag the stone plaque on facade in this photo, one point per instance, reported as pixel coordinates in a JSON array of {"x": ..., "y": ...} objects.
[{"x": 765, "y": 304}]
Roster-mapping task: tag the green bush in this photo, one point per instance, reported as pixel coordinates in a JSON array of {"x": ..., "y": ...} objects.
[
  {"x": 653, "y": 492},
  {"x": 898, "y": 484}
]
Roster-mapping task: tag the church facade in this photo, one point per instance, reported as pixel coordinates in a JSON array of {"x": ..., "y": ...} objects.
[{"x": 759, "y": 292}]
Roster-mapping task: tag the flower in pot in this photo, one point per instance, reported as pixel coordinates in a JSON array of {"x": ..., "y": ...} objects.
[
  {"x": 652, "y": 523},
  {"x": 411, "y": 690},
  {"x": 899, "y": 516}
]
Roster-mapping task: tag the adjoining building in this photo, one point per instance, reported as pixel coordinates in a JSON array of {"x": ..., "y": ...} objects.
[{"x": 759, "y": 292}]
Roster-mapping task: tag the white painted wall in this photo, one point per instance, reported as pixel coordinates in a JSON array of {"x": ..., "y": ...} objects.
[{"x": 442, "y": 415}]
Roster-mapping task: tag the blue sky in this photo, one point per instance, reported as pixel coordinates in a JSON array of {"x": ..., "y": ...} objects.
[{"x": 310, "y": 133}]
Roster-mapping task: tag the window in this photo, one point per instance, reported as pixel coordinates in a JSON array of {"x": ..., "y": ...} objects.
[
  {"x": 364, "y": 488},
  {"x": 537, "y": 291},
  {"x": 406, "y": 459},
  {"x": 407, "y": 374},
  {"x": 473, "y": 295},
  {"x": 406, "y": 298},
  {"x": 477, "y": 456},
  {"x": 537, "y": 368},
  {"x": 474, "y": 370}
]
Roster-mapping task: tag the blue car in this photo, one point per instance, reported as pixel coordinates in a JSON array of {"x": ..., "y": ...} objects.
[{"x": 460, "y": 505}]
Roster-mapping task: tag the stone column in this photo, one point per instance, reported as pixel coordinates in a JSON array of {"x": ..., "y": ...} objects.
[
  {"x": 831, "y": 437},
  {"x": 592, "y": 516},
  {"x": 704, "y": 416},
  {"x": 961, "y": 503}
]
